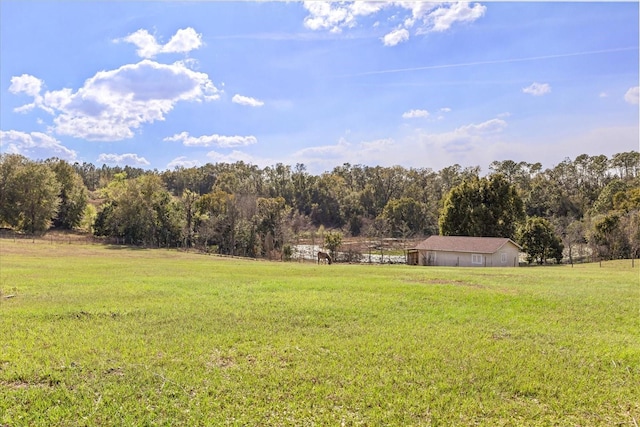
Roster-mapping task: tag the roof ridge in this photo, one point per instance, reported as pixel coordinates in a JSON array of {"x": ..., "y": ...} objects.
[{"x": 478, "y": 244}]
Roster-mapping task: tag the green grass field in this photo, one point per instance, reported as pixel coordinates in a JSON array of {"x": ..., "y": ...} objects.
[{"x": 94, "y": 335}]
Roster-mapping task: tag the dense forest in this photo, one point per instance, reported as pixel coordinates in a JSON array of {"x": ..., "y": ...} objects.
[{"x": 241, "y": 209}]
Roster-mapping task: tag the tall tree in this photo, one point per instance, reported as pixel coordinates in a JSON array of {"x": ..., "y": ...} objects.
[
  {"x": 38, "y": 199},
  {"x": 405, "y": 216},
  {"x": 604, "y": 202},
  {"x": 189, "y": 201},
  {"x": 608, "y": 237},
  {"x": 627, "y": 164},
  {"x": 539, "y": 241},
  {"x": 141, "y": 211},
  {"x": 11, "y": 166},
  {"x": 73, "y": 195},
  {"x": 327, "y": 193},
  {"x": 482, "y": 207},
  {"x": 270, "y": 214}
]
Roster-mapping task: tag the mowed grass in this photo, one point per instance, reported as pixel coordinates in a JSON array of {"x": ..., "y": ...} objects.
[{"x": 94, "y": 335}]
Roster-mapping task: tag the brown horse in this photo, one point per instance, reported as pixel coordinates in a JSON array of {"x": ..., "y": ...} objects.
[{"x": 324, "y": 256}]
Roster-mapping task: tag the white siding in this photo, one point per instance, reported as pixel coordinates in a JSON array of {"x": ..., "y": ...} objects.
[{"x": 506, "y": 256}]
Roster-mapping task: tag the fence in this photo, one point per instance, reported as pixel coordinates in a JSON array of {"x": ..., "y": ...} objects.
[{"x": 59, "y": 238}]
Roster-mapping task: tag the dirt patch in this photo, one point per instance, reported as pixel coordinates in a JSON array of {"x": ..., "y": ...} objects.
[
  {"x": 222, "y": 361},
  {"x": 116, "y": 370}
]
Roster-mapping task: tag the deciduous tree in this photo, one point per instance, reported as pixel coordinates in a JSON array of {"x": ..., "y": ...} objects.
[
  {"x": 38, "y": 197},
  {"x": 405, "y": 215},
  {"x": 333, "y": 241}
]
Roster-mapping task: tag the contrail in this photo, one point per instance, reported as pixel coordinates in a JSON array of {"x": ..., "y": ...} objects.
[{"x": 497, "y": 61}]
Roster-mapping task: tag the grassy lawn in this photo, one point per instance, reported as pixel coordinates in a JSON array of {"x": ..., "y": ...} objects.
[{"x": 92, "y": 335}]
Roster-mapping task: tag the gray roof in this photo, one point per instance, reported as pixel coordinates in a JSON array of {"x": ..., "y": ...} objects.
[{"x": 478, "y": 245}]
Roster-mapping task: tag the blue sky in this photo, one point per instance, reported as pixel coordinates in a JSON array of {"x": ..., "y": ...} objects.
[{"x": 166, "y": 84}]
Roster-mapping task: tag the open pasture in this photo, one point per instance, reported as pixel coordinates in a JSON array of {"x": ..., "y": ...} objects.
[{"x": 95, "y": 335}]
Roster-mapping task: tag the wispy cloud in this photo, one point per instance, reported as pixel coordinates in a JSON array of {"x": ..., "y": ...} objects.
[
  {"x": 182, "y": 161},
  {"x": 497, "y": 61},
  {"x": 441, "y": 149},
  {"x": 212, "y": 140},
  {"x": 123, "y": 159},
  {"x": 537, "y": 89},
  {"x": 415, "y": 114},
  {"x": 633, "y": 95},
  {"x": 246, "y": 100}
]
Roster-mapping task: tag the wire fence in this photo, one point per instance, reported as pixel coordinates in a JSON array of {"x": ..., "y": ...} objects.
[
  {"x": 58, "y": 238},
  {"x": 301, "y": 252}
]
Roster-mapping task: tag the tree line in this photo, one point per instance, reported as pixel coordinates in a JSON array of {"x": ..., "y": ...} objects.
[{"x": 242, "y": 209}]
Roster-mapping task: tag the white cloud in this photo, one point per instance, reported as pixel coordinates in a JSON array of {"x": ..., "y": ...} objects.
[
  {"x": 414, "y": 114},
  {"x": 209, "y": 140},
  {"x": 490, "y": 126},
  {"x": 633, "y": 95},
  {"x": 122, "y": 159},
  {"x": 246, "y": 100},
  {"x": 442, "y": 18},
  {"x": 419, "y": 10},
  {"x": 445, "y": 110},
  {"x": 395, "y": 37},
  {"x": 184, "y": 41},
  {"x": 334, "y": 16},
  {"x": 183, "y": 162},
  {"x": 537, "y": 89},
  {"x": 25, "y": 83},
  {"x": 364, "y": 8},
  {"x": 322, "y": 15},
  {"x": 28, "y": 85},
  {"x": 35, "y": 145},
  {"x": 112, "y": 104},
  {"x": 430, "y": 16}
]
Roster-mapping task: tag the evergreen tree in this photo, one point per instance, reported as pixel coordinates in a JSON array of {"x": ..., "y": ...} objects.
[
  {"x": 482, "y": 207},
  {"x": 73, "y": 195},
  {"x": 539, "y": 241}
]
